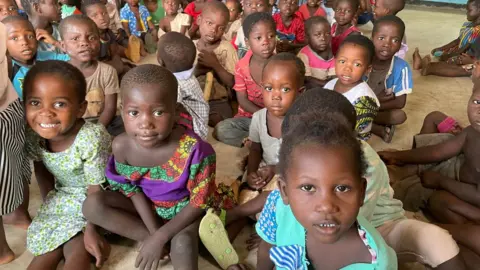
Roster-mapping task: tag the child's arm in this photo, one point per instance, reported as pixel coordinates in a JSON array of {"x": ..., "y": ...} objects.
[
  {"x": 144, "y": 209},
  {"x": 184, "y": 28},
  {"x": 192, "y": 32},
  {"x": 45, "y": 180},
  {"x": 47, "y": 38},
  {"x": 109, "y": 110},
  {"x": 209, "y": 59},
  {"x": 240, "y": 88},
  {"x": 152, "y": 29},
  {"x": 393, "y": 103},
  {"x": 465, "y": 191},
  {"x": 263, "y": 256},
  {"x": 124, "y": 20},
  {"x": 254, "y": 159},
  {"x": 427, "y": 154}
]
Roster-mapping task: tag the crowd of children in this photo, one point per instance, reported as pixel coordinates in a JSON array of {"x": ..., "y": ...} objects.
[{"x": 122, "y": 149}]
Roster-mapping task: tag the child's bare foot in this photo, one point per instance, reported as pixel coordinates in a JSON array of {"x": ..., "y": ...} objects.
[
  {"x": 417, "y": 60},
  {"x": 19, "y": 218},
  {"x": 6, "y": 255},
  {"x": 425, "y": 65}
]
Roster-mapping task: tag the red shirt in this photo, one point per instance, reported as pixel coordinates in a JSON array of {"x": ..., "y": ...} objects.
[
  {"x": 296, "y": 27},
  {"x": 306, "y": 14},
  {"x": 338, "y": 39},
  {"x": 245, "y": 83}
]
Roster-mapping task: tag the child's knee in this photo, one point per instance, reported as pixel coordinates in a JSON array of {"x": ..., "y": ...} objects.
[
  {"x": 185, "y": 241},
  {"x": 93, "y": 206},
  {"x": 434, "y": 117},
  {"x": 398, "y": 117}
]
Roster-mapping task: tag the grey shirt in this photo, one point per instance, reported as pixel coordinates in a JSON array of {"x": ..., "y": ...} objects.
[{"x": 259, "y": 134}]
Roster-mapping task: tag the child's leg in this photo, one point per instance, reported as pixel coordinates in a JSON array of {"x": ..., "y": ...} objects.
[
  {"x": 431, "y": 122},
  {"x": 114, "y": 212},
  {"x": 447, "y": 208},
  {"x": 184, "y": 248},
  {"x": 390, "y": 117},
  {"x": 443, "y": 69},
  {"x": 417, "y": 60},
  {"x": 232, "y": 131},
  {"x": 76, "y": 256},
  {"x": 47, "y": 261},
  {"x": 467, "y": 236},
  {"x": 20, "y": 217},
  {"x": 6, "y": 254},
  {"x": 247, "y": 209}
]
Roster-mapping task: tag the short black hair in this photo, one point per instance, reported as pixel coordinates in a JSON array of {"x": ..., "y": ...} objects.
[
  {"x": 88, "y": 3},
  {"x": 237, "y": 2},
  {"x": 361, "y": 41},
  {"x": 28, "y": 5},
  {"x": 216, "y": 6},
  {"x": 355, "y": 3},
  {"x": 62, "y": 69},
  {"x": 389, "y": 19},
  {"x": 77, "y": 18},
  {"x": 176, "y": 51},
  {"x": 322, "y": 131},
  {"x": 150, "y": 74},
  {"x": 289, "y": 57},
  {"x": 396, "y": 6},
  {"x": 310, "y": 22},
  {"x": 319, "y": 101},
  {"x": 254, "y": 18},
  {"x": 17, "y": 18}
]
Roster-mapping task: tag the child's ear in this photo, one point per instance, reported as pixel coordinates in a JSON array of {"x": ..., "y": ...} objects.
[
  {"x": 282, "y": 186},
  {"x": 36, "y": 7},
  {"x": 82, "y": 109},
  {"x": 369, "y": 69},
  {"x": 199, "y": 20},
  {"x": 246, "y": 42},
  {"x": 62, "y": 44},
  {"x": 363, "y": 189}
]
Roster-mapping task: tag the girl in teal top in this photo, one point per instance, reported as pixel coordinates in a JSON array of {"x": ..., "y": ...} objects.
[{"x": 312, "y": 221}]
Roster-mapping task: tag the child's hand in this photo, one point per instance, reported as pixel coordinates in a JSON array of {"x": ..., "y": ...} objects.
[
  {"x": 389, "y": 158},
  {"x": 266, "y": 173},
  {"x": 97, "y": 246},
  {"x": 42, "y": 34},
  {"x": 255, "y": 181},
  {"x": 464, "y": 59},
  {"x": 151, "y": 253},
  {"x": 208, "y": 59},
  {"x": 283, "y": 46}
]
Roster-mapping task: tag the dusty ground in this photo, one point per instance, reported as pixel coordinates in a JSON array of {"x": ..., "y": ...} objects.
[{"x": 426, "y": 29}]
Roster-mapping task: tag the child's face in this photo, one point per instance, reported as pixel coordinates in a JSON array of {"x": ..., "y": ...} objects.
[
  {"x": 351, "y": 64},
  {"x": 473, "y": 12},
  {"x": 252, "y": 6},
  {"x": 212, "y": 26},
  {"x": 152, "y": 6},
  {"x": 148, "y": 113},
  {"x": 314, "y": 3},
  {"x": 50, "y": 10},
  {"x": 21, "y": 41},
  {"x": 81, "y": 42},
  {"x": 52, "y": 106},
  {"x": 387, "y": 40},
  {"x": 319, "y": 37},
  {"x": 262, "y": 40},
  {"x": 473, "y": 109},
  {"x": 132, "y": 3},
  {"x": 323, "y": 191},
  {"x": 281, "y": 83},
  {"x": 99, "y": 14},
  {"x": 233, "y": 8},
  {"x": 171, "y": 7},
  {"x": 287, "y": 7},
  {"x": 379, "y": 9},
  {"x": 7, "y": 8},
  {"x": 344, "y": 12}
]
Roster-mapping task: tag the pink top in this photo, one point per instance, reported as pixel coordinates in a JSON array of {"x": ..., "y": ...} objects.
[
  {"x": 337, "y": 40},
  {"x": 245, "y": 82},
  {"x": 306, "y": 14},
  {"x": 315, "y": 65}
]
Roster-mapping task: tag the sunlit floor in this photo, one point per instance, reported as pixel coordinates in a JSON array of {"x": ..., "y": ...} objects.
[{"x": 426, "y": 29}]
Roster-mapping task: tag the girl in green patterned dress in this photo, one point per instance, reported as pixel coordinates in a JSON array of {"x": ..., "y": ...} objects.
[{"x": 75, "y": 154}]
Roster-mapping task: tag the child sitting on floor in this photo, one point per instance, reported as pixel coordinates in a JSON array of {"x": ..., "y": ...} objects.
[
  {"x": 282, "y": 81},
  {"x": 249, "y": 7},
  {"x": 217, "y": 56},
  {"x": 456, "y": 58},
  {"x": 235, "y": 23},
  {"x": 317, "y": 55},
  {"x": 304, "y": 223},
  {"x": 7, "y": 8},
  {"x": 345, "y": 11},
  {"x": 447, "y": 166},
  {"x": 194, "y": 9},
  {"x": 290, "y": 27},
  {"x": 353, "y": 61},
  {"x": 70, "y": 7},
  {"x": 173, "y": 20},
  {"x": 75, "y": 152},
  {"x": 44, "y": 18},
  {"x": 160, "y": 172},
  {"x": 137, "y": 22},
  {"x": 259, "y": 29},
  {"x": 102, "y": 79},
  {"x": 152, "y": 7},
  {"x": 391, "y": 7},
  {"x": 22, "y": 47},
  {"x": 391, "y": 76},
  {"x": 177, "y": 53},
  {"x": 312, "y": 9}
]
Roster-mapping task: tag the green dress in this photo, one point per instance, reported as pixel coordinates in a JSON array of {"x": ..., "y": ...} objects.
[
  {"x": 158, "y": 15},
  {"x": 60, "y": 217}
]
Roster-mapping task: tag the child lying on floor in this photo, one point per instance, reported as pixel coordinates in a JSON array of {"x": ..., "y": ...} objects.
[
  {"x": 456, "y": 58},
  {"x": 448, "y": 167}
]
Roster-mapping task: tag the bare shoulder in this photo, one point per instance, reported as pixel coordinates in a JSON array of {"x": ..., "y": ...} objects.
[{"x": 120, "y": 147}]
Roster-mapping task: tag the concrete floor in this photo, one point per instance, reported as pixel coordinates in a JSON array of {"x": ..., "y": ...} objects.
[{"x": 426, "y": 29}]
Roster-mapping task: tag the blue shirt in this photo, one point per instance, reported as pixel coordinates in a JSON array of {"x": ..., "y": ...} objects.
[
  {"x": 20, "y": 71},
  {"x": 278, "y": 226},
  {"x": 127, "y": 15},
  {"x": 399, "y": 78}
]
